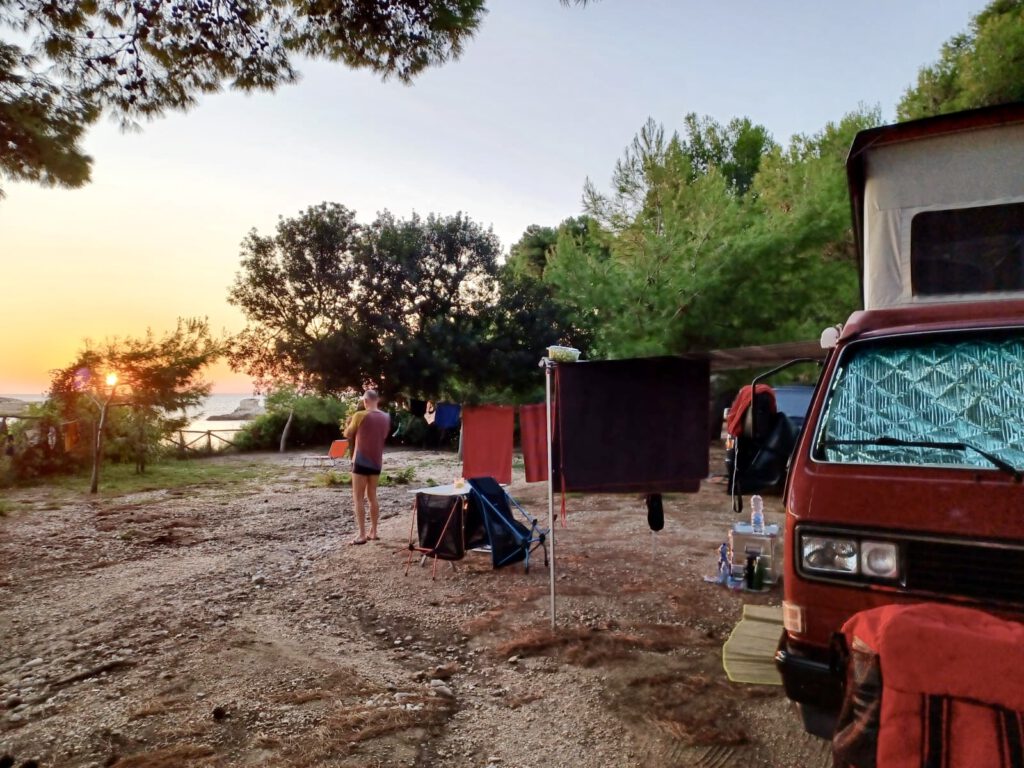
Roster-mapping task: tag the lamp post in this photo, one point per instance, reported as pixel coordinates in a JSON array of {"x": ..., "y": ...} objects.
[{"x": 97, "y": 444}]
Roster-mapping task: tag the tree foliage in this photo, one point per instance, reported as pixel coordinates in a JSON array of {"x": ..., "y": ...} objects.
[
  {"x": 41, "y": 123},
  {"x": 528, "y": 256},
  {"x": 416, "y": 306},
  {"x": 156, "y": 378},
  {"x": 982, "y": 66},
  {"x": 716, "y": 237},
  {"x": 297, "y": 289},
  {"x": 424, "y": 283},
  {"x": 141, "y": 58}
]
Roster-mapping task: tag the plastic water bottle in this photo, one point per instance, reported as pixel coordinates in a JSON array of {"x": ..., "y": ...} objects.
[{"x": 757, "y": 514}]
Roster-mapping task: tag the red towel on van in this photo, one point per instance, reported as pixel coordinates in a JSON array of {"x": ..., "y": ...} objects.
[
  {"x": 951, "y": 694},
  {"x": 534, "y": 440},
  {"x": 487, "y": 441},
  {"x": 738, "y": 409}
]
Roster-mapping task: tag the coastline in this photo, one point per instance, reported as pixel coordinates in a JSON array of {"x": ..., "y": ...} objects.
[{"x": 221, "y": 411}]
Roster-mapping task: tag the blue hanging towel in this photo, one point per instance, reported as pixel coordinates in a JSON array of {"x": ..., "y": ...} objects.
[{"x": 446, "y": 415}]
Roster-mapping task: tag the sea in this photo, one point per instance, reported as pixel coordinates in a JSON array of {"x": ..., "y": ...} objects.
[{"x": 215, "y": 405}]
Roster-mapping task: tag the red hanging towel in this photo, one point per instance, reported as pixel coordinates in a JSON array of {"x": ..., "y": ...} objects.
[
  {"x": 487, "y": 441},
  {"x": 534, "y": 441},
  {"x": 738, "y": 409},
  {"x": 932, "y": 686}
]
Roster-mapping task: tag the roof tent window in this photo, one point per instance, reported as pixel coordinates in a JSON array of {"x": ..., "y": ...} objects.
[{"x": 967, "y": 250}]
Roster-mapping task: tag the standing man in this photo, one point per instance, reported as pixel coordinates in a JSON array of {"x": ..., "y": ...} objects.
[{"x": 368, "y": 430}]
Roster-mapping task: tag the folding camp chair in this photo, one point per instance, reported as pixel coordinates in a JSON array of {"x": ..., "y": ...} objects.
[
  {"x": 510, "y": 540},
  {"x": 335, "y": 454},
  {"x": 439, "y": 527}
]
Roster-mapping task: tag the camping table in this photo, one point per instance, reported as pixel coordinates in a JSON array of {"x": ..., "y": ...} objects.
[{"x": 743, "y": 541}]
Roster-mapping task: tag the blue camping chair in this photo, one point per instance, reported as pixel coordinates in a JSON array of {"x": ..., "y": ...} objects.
[{"x": 510, "y": 539}]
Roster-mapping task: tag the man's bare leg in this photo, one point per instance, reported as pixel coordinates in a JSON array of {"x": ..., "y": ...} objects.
[
  {"x": 371, "y": 494},
  {"x": 358, "y": 492}
]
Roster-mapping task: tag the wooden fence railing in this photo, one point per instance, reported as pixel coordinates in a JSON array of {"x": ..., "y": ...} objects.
[{"x": 210, "y": 434}]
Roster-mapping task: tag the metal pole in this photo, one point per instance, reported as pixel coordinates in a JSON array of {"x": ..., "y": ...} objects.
[{"x": 551, "y": 490}]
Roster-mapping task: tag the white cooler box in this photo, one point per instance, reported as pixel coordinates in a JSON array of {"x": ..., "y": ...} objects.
[{"x": 768, "y": 545}]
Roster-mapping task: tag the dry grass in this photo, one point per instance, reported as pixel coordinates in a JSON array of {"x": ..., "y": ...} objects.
[
  {"x": 517, "y": 700},
  {"x": 159, "y": 706},
  {"x": 363, "y": 722},
  {"x": 690, "y": 706},
  {"x": 342, "y": 682},
  {"x": 589, "y": 647},
  {"x": 348, "y": 726},
  {"x": 483, "y": 623},
  {"x": 169, "y": 757},
  {"x": 301, "y": 697}
]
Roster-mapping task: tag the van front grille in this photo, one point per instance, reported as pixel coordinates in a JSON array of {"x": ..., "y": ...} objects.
[{"x": 979, "y": 571}]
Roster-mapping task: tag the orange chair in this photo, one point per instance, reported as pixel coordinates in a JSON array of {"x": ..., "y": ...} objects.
[
  {"x": 338, "y": 450},
  {"x": 335, "y": 454}
]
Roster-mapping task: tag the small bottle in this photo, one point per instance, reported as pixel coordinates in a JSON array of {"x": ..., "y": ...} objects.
[
  {"x": 760, "y": 572},
  {"x": 757, "y": 514}
]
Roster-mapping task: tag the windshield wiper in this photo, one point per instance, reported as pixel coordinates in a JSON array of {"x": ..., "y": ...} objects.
[{"x": 949, "y": 446}]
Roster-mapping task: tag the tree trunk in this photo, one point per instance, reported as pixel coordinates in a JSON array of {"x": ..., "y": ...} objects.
[
  {"x": 97, "y": 450},
  {"x": 286, "y": 430},
  {"x": 140, "y": 445}
]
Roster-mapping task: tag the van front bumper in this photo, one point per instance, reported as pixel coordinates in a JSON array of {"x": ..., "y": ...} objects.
[{"x": 811, "y": 680}]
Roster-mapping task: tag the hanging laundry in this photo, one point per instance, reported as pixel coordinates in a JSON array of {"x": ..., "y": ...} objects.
[
  {"x": 70, "y": 436},
  {"x": 446, "y": 416},
  {"x": 534, "y": 440},
  {"x": 655, "y": 511},
  {"x": 625, "y": 426},
  {"x": 487, "y": 441},
  {"x": 738, "y": 409}
]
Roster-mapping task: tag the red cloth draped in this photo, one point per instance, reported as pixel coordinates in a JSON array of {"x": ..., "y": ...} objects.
[
  {"x": 738, "y": 409},
  {"x": 952, "y": 685},
  {"x": 487, "y": 441},
  {"x": 534, "y": 440}
]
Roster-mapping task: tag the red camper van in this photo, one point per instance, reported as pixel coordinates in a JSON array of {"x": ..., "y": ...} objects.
[{"x": 906, "y": 484}]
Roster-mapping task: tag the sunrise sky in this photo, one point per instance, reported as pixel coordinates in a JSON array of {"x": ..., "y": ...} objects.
[{"x": 544, "y": 97}]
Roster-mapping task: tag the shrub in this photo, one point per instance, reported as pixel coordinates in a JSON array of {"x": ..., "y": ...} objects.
[
  {"x": 401, "y": 477},
  {"x": 317, "y": 420}
]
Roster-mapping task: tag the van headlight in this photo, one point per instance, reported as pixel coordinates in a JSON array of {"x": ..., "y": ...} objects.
[
  {"x": 829, "y": 554},
  {"x": 845, "y": 555},
  {"x": 879, "y": 559}
]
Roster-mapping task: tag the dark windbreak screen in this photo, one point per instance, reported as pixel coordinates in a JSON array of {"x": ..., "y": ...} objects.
[
  {"x": 967, "y": 250},
  {"x": 956, "y": 388}
]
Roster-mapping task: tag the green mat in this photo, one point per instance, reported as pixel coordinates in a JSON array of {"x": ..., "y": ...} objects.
[{"x": 749, "y": 654}]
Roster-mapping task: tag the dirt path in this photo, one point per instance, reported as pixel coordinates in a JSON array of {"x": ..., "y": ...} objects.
[{"x": 234, "y": 627}]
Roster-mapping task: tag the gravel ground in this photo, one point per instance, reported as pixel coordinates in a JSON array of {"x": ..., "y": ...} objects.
[{"x": 234, "y": 626}]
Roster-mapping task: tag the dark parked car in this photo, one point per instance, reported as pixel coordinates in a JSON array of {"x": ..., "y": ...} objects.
[{"x": 756, "y": 461}]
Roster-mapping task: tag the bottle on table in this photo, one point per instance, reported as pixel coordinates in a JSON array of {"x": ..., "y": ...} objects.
[{"x": 757, "y": 514}]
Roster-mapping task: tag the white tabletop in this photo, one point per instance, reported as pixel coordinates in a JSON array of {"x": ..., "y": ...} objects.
[
  {"x": 769, "y": 530},
  {"x": 444, "y": 490}
]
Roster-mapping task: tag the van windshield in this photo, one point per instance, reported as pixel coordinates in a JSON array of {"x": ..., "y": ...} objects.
[{"x": 957, "y": 388}]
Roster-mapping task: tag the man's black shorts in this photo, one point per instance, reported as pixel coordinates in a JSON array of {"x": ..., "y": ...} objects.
[{"x": 359, "y": 469}]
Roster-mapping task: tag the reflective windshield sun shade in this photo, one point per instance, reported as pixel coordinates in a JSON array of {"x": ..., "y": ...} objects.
[{"x": 966, "y": 389}]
